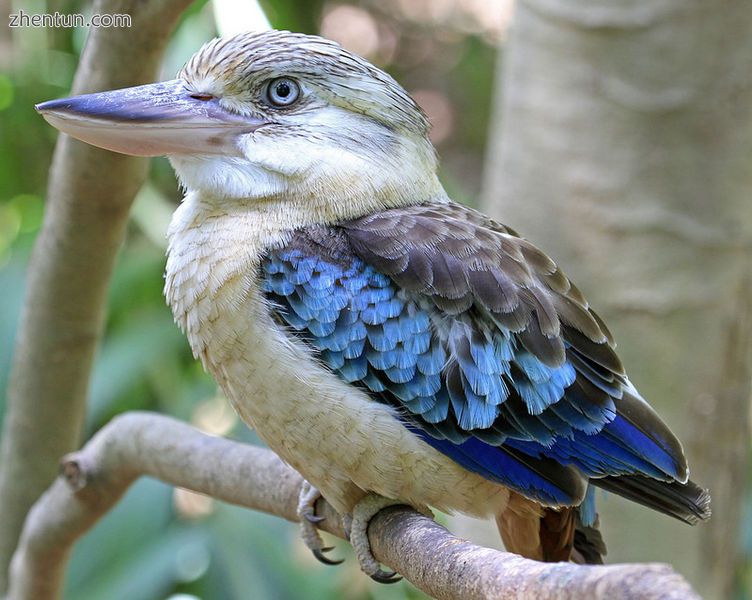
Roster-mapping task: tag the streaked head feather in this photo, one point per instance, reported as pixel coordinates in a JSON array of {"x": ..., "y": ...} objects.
[{"x": 244, "y": 61}]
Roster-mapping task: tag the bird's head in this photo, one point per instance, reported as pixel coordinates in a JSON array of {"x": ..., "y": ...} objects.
[{"x": 271, "y": 115}]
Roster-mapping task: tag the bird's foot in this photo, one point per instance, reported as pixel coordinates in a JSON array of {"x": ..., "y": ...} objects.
[
  {"x": 308, "y": 521},
  {"x": 356, "y": 528}
]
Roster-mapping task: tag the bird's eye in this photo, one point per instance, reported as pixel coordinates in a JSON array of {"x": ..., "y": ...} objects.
[{"x": 282, "y": 91}]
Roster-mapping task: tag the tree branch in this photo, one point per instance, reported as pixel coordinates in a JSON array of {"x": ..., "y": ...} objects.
[
  {"x": 90, "y": 192},
  {"x": 136, "y": 444}
]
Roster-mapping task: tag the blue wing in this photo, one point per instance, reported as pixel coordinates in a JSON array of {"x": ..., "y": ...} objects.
[{"x": 492, "y": 357}]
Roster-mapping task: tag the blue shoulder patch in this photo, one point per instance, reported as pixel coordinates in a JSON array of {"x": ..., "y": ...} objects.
[{"x": 368, "y": 331}]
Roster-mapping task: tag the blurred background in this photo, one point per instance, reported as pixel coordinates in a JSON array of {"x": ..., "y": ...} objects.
[{"x": 165, "y": 543}]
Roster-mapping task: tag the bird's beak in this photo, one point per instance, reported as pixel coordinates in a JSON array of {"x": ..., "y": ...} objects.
[{"x": 150, "y": 120}]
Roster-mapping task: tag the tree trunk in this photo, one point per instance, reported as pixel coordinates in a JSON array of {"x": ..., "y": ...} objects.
[
  {"x": 622, "y": 142},
  {"x": 6, "y": 43}
]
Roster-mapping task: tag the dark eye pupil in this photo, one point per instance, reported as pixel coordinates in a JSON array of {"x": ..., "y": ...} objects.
[{"x": 283, "y": 90}]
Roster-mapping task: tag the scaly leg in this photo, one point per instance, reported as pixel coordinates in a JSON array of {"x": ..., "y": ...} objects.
[
  {"x": 308, "y": 521},
  {"x": 356, "y": 527}
]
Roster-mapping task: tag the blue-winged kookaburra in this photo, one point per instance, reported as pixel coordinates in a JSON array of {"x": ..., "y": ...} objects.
[{"x": 391, "y": 345}]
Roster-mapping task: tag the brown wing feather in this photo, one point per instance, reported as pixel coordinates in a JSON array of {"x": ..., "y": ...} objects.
[{"x": 462, "y": 258}]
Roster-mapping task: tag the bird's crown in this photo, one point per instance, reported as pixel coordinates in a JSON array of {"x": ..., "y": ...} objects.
[{"x": 243, "y": 64}]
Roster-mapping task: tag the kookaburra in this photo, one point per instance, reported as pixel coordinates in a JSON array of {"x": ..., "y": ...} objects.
[{"x": 393, "y": 346}]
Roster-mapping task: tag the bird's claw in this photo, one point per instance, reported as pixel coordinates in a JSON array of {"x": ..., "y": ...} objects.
[
  {"x": 311, "y": 518},
  {"x": 319, "y": 554},
  {"x": 382, "y": 576},
  {"x": 356, "y": 527},
  {"x": 308, "y": 521}
]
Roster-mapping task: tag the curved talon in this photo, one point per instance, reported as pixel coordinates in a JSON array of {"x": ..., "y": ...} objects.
[
  {"x": 382, "y": 576},
  {"x": 311, "y": 518},
  {"x": 308, "y": 521},
  {"x": 319, "y": 554}
]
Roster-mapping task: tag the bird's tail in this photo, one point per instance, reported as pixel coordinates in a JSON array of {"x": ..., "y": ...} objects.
[
  {"x": 573, "y": 533},
  {"x": 687, "y": 502}
]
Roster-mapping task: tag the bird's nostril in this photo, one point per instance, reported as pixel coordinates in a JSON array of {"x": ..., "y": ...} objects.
[{"x": 202, "y": 96}]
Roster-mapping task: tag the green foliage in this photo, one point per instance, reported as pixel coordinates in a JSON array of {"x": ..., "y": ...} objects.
[{"x": 294, "y": 15}]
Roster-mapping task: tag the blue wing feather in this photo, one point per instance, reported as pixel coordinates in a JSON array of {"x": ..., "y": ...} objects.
[
  {"x": 496, "y": 464},
  {"x": 468, "y": 386}
]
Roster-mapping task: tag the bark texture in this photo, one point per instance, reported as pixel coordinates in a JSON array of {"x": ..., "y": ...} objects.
[
  {"x": 442, "y": 565},
  {"x": 90, "y": 192},
  {"x": 623, "y": 132},
  {"x": 6, "y": 46}
]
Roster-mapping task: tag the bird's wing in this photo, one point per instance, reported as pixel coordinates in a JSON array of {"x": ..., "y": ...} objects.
[{"x": 489, "y": 352}]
